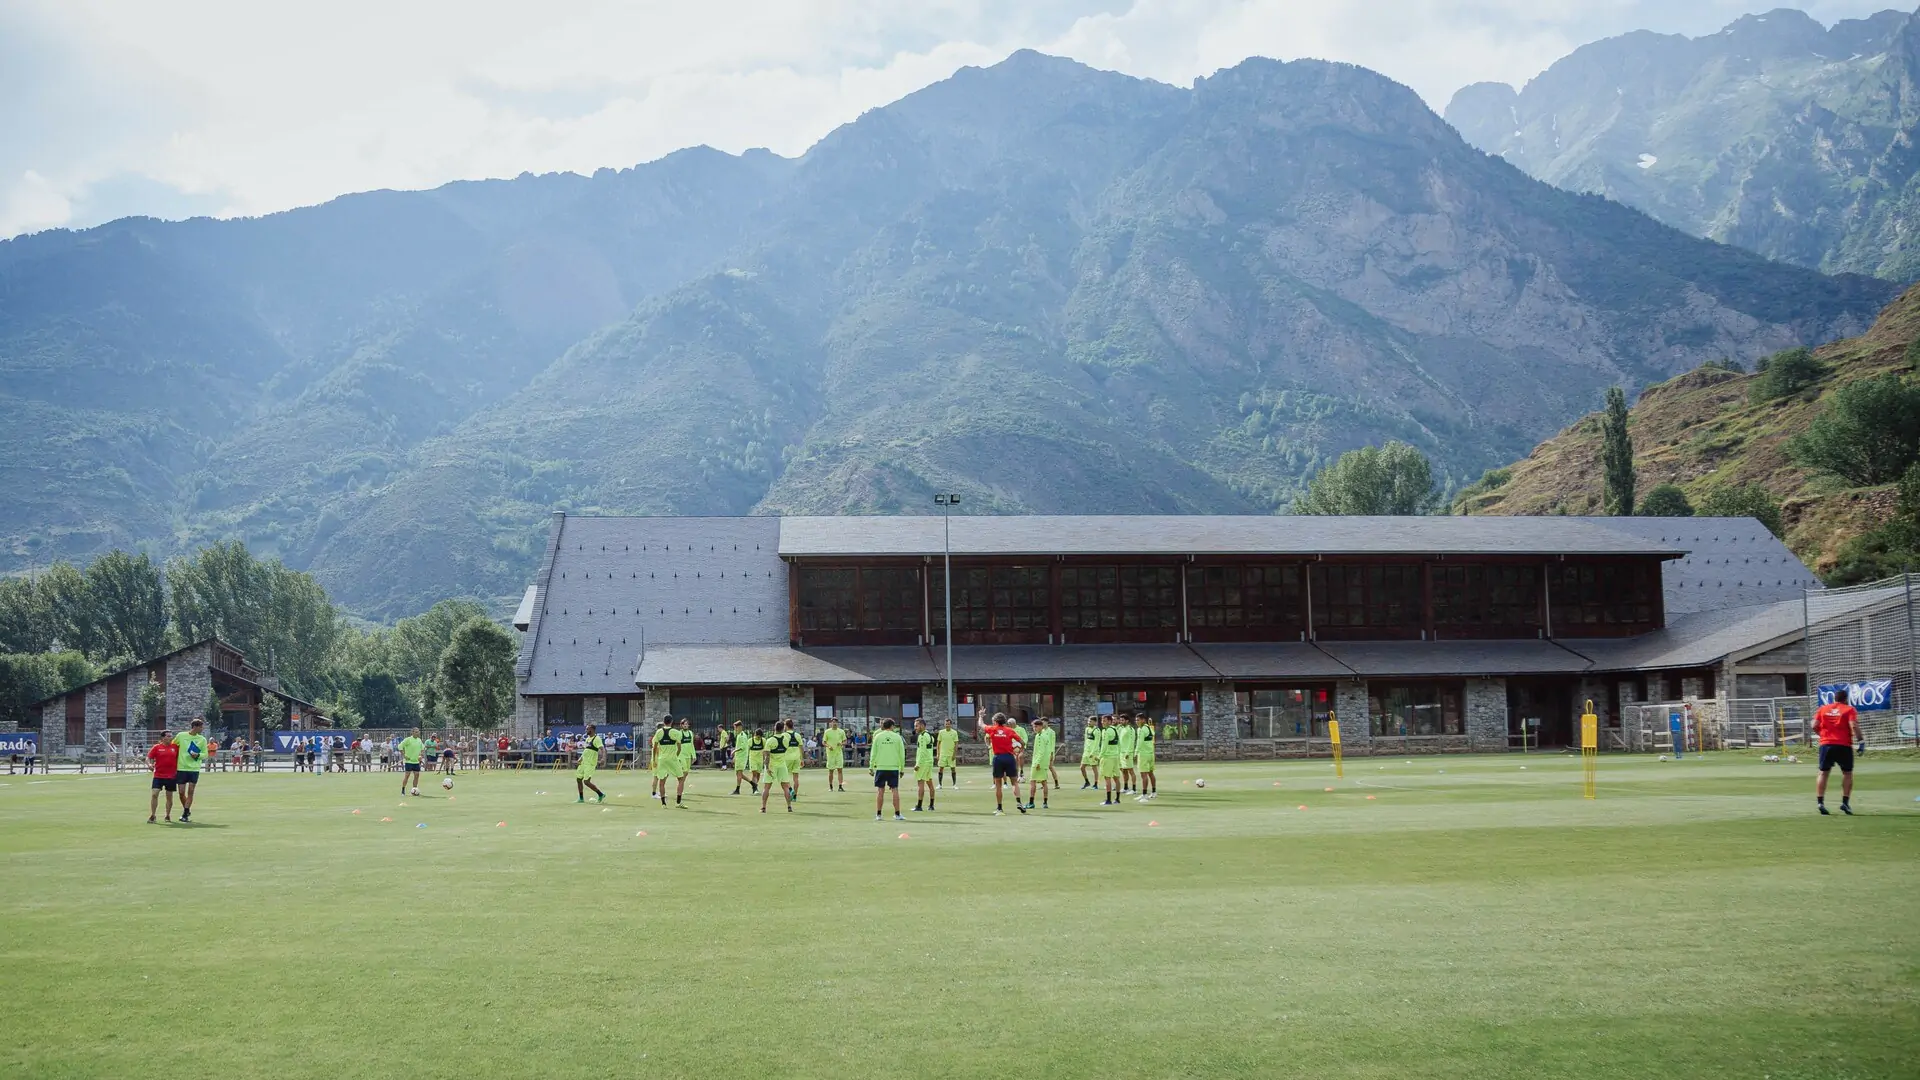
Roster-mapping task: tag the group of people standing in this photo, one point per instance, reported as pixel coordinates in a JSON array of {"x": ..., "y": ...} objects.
[{"x": 1119, "y": 754}]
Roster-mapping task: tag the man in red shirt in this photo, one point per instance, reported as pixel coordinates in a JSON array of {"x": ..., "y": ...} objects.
[
  {"x": 1001, "y": 741},
  {"x": 166, "y": 765},
  {"x": 1839, "y": 728}
]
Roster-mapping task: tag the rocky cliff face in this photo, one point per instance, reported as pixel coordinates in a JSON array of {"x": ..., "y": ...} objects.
[{"x": 1776, "y": 134}]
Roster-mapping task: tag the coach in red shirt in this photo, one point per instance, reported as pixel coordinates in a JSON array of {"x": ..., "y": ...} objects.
[
  {"x": 1839, "y": 729},
  {"x": 1001, "y": 739},
  {"x": 166, "y": 765}
]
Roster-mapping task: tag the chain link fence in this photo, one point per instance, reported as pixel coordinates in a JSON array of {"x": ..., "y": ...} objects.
[{"x": 1861, "y": 648}]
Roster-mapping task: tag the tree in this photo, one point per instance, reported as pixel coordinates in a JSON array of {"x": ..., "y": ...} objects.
[
  {"x": 376, "y": 696},
  {"x": 414, "y": 646},
  {"x": 152, "y": 709},
  {"x": 1893, "y": 548},
  {"x": 27, "y": 678},
  {"x": 280, "y": 618},
  {"x": 1869, "y": 432},
  {"x": 1395, "y": 479},
  {"x": 1666, "y": 500},
  {"x": 1913, "y": 354},
  {"x": 210, "y": 712},
  {"x": 1785, "y": 373},
  {"x": 1743, "y": 500},
  {"x": 126, "y": 603},
  {"x": 475, "y": 681},
  {"x": 273, "y": 711},
  {"x": 1616, "y": 454},
  {"x": 26, "y": 626}
]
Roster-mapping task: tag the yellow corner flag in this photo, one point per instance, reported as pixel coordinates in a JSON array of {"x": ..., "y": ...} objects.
[
  {"x": 1589, "y": 747},
  {"x": 1333, "y": 732}
]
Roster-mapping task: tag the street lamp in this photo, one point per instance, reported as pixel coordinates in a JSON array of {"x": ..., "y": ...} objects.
[{"x": 946, "y": 503}]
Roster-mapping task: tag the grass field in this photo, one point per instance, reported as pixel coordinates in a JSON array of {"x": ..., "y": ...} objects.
[{"x": 1473, "y": 918}]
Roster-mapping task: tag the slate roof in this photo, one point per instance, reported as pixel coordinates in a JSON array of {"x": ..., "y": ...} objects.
[
  {"x": 1730, "y": 562},
  {"x": 614, "y": 583},
  {"x": 1416, "y": 658},
  {"x": 1210, "y": 535}
]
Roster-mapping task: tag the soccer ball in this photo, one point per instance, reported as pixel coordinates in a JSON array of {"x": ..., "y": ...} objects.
[
  {"x": 447, "y": 783},
  {"x": 1199, "y": 783},
  {"x": 1663, "y": 757}
]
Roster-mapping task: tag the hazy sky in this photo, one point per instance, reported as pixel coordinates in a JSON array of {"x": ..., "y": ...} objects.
[{"x": 115, "y": 107}]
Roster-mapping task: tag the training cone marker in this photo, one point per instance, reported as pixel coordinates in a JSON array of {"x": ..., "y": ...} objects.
[
  {"x": 1329, "y": 789},
  {"x": 502, "y": 824},
  {"x": 904, "y": 836},
  {"x": 422, "y": 825},
  {"x": 450, "y": 798},
  {"x": 356, "y": 811},
  {"x": 1153, "y": 824},
  {"x": 1302, "y": 806},
  {"x": 1369, "y": 796},
  {"x": 386, "y": 819}
]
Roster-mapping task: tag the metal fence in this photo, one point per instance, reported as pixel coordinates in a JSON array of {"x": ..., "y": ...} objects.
[
  {"x": 1712, "y": 724},
  {"x": 1861, "y": 644}
]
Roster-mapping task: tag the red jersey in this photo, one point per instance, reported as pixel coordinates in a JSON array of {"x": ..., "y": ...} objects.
[
  {"x": 505, "y": 744},
  {"x": 1001, "y": 739},
  {"x": 166, "y": 760},
  {"x": 1835, "y": 724}
]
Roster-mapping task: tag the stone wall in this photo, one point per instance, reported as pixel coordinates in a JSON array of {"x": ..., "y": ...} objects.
[
  {"x": 1078, "y": 701},
  {"x": 526, "y": 716},
  {"x": 189, "y": 681},
  {"x": 53, "y": 727},
  {"x": 1486, "y": 705},
  {"x": 1350, "y": 708},
  {"x": 933, "y": 705},
  {"x": 1219, "y": 721},
  {"x": 96, "y": 717},
  {"x": 797, "y": 706},
  {"x": 593, "y": 710},
  {"x": 136, "y": 686}
]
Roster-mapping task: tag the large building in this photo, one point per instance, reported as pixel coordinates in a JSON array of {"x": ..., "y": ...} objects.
[{"x": 1244, "y": 635}]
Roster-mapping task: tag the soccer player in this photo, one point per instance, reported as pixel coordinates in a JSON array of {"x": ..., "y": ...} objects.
[
  {"x": 922, "y": 765},
  {"x": 796, "y": 756},
  {"x": 1059, "y": 726},
  {"x": 193, "y": 755},
  {"x": 662, "y": 745},
  {"x": 947, "y": 754},
  {"x": 744, "y": 771},
  {"x": 411, "y": 748},
  {"x": 1110, "y": 761},
  {"x": 1001, "y": 743},
  {"x": 1839, "y": 729},
  {"x": 589, "y": 761},
  {"x": 833, "y": 741},
  {"x": 776, "y": 750},
  {"x": 166, "y": 766},
  {"x": 720, "y": 747},
  {"x": 679, "y": 763},
  {"x": 1090, "y": 753},
  {"x": 1129, "y": 737},
  {"x": 1020, "y": 755},
  {"x": 1040, "y": 772},
  {"x": 888, "y": 759},
  {"x": 1143, "y": 758}
]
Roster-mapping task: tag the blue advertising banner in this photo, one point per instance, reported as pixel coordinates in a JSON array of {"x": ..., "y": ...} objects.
[
  {"x": 20, "y": 742},
  {"x": 284, "y": 741},
  {"x": 611, "y": 731},
  {"x": 1867, "y": 695}
]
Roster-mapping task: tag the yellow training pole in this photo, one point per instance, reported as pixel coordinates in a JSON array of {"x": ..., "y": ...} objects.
[
  {"x": 1589, "y": 748},
  {"x": 1333, "y": 731}
]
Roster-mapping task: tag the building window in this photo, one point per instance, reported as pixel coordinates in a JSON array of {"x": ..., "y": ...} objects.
[
  {"x": 1417, "y": 708},
  {"x": 708, "y": 711},
  {"x": 1602, "y": 596},
  {"x": 564, "y": 711},
  {"x": 890, "y": 598},
  {"x": 1289, "y": 712},
  {"x": 863, "y": 712},
  {"x": 1006, "y": 598},
  {"x": 1175, "y": 712},
  {"x": 1468, "y": 598},
  {"x": 1120, "y": 598},
  {"x": 1367, "y": 597},
  {"x": 1247, "y": 597},
  {"x": 829, "y": 598},
  {"x": 1019, "y": 705},
  {"x": 623, "y": 710}
]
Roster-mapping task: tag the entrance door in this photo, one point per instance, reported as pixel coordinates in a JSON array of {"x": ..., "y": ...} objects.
[{"x": 1542, "y": 709}]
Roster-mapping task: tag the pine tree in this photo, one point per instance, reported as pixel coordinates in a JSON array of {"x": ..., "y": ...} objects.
[{"x": 1616, "y": 454}]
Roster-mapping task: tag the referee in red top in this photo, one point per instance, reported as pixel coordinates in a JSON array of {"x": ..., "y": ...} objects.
[
  {"x": 1839, "y": 729},
  {"x": 1001, "y": 739}
]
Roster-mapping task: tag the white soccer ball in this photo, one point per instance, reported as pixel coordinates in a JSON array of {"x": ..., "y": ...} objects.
[
  {"x": 1792, "y": 760},
  {"x": 1199, "y": 783},
  {"x": 1771, "y": 757},
  {"x": 447, "y": 783},
  {"x": 1663, "y": 757}
]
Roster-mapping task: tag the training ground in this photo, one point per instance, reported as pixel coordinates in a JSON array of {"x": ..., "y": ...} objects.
[{"x": 1474, "y": 918}]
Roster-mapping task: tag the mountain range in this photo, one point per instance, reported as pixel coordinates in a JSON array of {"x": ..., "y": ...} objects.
[
  {"x": 1046, "y": 287},
  {"x": 1777, "y": 134}
]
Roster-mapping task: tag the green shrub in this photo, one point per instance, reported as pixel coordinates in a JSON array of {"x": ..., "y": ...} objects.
[
  {"x": 1784, "y": 374},
  {"x": 1869, "y": 432},
  {"x": 1666, "y": 500},
  {"x": 1743, "y": 500}
]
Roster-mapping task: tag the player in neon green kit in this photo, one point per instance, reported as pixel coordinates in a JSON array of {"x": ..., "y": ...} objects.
[
  {"x": 796, "y": 756},
  {"x": 1039, "y": 776},
  {"x": 776, "y": 750},
  {"x": 662, "y": 747},
  {"x": 720, "y": 747},
  {"x": 834, "y": 742},
  {"x": 888, "y": 761},
  {"x": 411, "y": 748},
  {"x": 947, "y": 754},
  {"x": 589, "y": 761},
  {"x": 682, "y": 762},
  {"x": 923, "y": 758},
  {"x": 1090, "y": 753},
  {"x": 1129, "y": 739},
  {"x": 745, "y": 769},
  {"x": 1143, "y": 757},
  {"x": 1110, "y": 761},
  {"x": 193, "y": 758}
]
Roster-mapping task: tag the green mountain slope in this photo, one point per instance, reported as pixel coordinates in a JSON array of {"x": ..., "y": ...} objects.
[
  {"x": 1047, "y": 287},
  {"x": 1776, "y": 134}
]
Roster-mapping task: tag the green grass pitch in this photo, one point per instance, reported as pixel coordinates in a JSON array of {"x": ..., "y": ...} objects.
[{"x": 1474, "y": 918}]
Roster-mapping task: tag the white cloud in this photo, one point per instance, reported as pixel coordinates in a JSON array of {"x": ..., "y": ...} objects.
[{"x": 124, "y": 106}]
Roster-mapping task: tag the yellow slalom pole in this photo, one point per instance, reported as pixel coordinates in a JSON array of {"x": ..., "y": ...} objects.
[
  {"x": 1589, "y": 748},
  {"x": 1333, "y": 731}
]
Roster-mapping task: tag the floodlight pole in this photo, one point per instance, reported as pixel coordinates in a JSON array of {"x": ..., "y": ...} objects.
[{"x": 947, "y": 502}]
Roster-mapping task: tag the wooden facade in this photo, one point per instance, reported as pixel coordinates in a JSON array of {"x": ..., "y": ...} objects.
[{"x": 1079, "y": 599}]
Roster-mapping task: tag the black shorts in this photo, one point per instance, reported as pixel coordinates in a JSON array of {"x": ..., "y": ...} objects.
[
  {"x": 1841, "y": 756},
  {"x": 413, "y": 766},
  {"x": 886, "y": 778},
  {"x": 185, "y": 778},
  {"x": 1005, "y": 766},
  {"x": 165, "y": 783}
]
